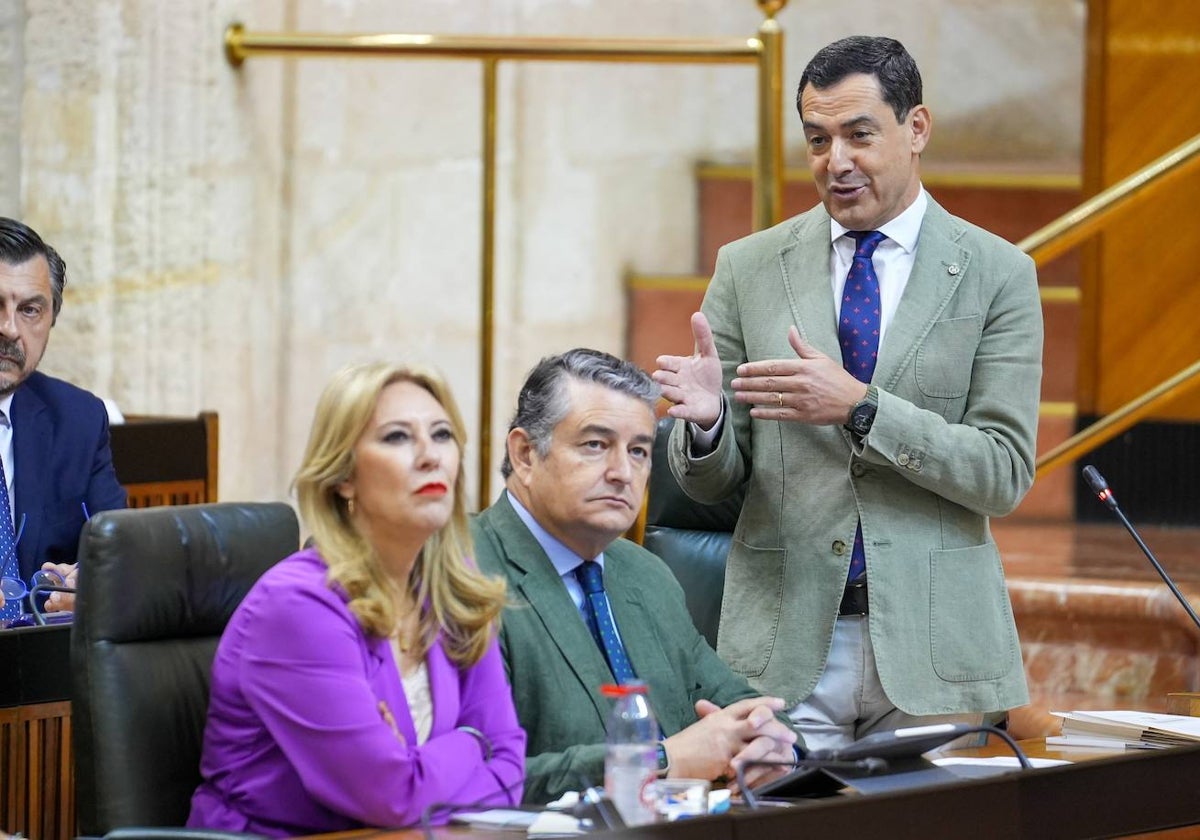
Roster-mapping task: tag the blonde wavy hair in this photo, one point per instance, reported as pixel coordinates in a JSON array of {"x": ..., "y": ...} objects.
[{"x": 454, "y": 597}]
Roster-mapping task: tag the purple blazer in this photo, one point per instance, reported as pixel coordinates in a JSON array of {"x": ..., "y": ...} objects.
[{"x": 299, "y": 736}]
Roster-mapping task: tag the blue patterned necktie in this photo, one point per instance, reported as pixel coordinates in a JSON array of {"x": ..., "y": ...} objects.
[
  {"x": 600, "y": 622},
  {"x": 8, "y": 548},
  {"x": 858, "y": 333}
]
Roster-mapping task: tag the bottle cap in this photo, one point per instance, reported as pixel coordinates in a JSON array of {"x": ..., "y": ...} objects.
[{"x": 623, "y": 690}]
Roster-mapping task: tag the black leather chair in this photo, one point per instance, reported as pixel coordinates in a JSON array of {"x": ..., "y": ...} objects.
[
  {"x": 158, "y": 587},
  {"x": 693, "y": 539}
]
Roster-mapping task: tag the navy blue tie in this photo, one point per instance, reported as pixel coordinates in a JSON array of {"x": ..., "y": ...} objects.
[
  {"x": 600, "y": 621},
  {"x": 9, "y": 567},
  {"x": 858, "y": 333}
]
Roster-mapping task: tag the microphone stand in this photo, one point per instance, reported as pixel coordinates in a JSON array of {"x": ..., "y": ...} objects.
[
  {"x": 40, "y": 589},
  {"x": 1100, "y": 487}
]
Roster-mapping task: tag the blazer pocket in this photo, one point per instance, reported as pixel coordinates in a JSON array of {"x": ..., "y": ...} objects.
[
  {"x": 971, "y": 625},
  {"x": 945, "y": 356},
  {"x": 750, "y": 607}
]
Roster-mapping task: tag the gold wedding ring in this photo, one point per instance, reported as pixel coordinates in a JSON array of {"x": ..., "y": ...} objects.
[{"x": 779, "y": 396}]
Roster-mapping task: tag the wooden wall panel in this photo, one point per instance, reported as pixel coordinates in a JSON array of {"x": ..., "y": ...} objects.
[
  {"x": 37, "y": 776},
  {"x": 1141, "y": 302}
]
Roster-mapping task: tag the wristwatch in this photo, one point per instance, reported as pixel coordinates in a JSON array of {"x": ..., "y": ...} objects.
[
  {"x": 664, "y": 763},
  {"x": 862, "y": 416}
]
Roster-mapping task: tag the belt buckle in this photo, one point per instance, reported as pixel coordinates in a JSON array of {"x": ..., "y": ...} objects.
[{"x": 854, "y": 599}]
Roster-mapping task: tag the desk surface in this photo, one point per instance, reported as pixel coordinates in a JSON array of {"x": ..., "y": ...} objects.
[{"x": 1101, "y": 795}]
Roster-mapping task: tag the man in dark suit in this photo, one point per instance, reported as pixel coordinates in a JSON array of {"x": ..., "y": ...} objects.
[
  {"x": 53, "y": 436},
  {"x": 576, "y": 467}
]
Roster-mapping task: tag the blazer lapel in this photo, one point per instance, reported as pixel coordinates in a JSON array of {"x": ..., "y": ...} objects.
[
  {"x": 31, "y": 447},
  {"x": 805, "y": 266},
  {"x": 443, "y": 689},
  {"x": 937, "y": 271},
  {"x": 383, "y": 675},
  {"x": 542, "y": 589}
]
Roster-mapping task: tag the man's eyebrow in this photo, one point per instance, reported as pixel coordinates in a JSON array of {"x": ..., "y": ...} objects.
[
  {"x": 854, "y": 122},
  {"x": 862, "y": 119},
  {"x": 38, "y": 298},
  {"x": 598, "y": 429},
  {"x": 643, "y": 438}
]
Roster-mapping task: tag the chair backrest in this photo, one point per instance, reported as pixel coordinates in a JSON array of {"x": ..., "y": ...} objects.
[
  {"x": 692, "y": 538},
  {"x": 156, "y": 590},
  {"x": 167, "y": 460}
]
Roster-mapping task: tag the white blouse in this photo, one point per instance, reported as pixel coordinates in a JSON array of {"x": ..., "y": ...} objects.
[{"x": 416, "y": 691}]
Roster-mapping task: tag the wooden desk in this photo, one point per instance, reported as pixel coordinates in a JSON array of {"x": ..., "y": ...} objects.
[
  {"x": 1099, "y": 796},
  {"x": 37, "y": 775}
]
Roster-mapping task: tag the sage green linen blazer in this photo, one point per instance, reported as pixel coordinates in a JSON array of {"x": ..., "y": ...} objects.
[{"x": 958, "y": 375}]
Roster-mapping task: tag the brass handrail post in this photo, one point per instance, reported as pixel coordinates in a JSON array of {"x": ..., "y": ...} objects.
[
  {"x": 768, "y": 158},
  {"x": 487, "y": 282},
  {"x": 765, "y": 51}
]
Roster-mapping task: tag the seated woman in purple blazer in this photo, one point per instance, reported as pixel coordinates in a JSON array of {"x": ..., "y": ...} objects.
[{"x": 360, "y": 682}]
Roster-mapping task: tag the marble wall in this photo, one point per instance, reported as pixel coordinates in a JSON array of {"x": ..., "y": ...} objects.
[{"x": 236, "y": 235}]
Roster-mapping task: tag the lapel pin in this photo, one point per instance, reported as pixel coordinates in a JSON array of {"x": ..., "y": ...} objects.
[{"x": 952, "y": 269}]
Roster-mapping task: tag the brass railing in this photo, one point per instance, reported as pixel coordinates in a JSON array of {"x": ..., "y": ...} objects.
[
  {"x": 1070, "y": 229},
  {"x": 1073, "y": 228},
  {"x": 1125, "y": 417},
  {"x": 765, "y": 50}
]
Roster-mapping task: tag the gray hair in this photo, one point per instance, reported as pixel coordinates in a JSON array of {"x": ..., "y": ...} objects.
[{"x": 543, "y": 401}]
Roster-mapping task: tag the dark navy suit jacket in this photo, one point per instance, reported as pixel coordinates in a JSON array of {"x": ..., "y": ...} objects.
[{"x": 63, "y": 462}]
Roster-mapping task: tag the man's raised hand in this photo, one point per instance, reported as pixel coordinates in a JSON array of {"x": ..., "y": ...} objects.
[{"x": 693, "y": 383}]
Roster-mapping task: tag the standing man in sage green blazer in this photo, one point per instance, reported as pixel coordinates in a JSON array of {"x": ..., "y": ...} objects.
[
  {"x": 578, "y": 456},
  {"x": 907, "y": 457}
]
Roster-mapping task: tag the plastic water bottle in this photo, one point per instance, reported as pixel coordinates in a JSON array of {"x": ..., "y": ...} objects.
[{"x": 631, "y": 761}]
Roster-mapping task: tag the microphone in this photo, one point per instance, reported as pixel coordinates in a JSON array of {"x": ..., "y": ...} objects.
[
  {"x": 1100, "y": 487},
  {"x": 596, "y": 811}
]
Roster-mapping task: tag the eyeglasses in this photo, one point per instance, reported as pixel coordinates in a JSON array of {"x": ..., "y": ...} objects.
[{"x": 14, "y": 590}]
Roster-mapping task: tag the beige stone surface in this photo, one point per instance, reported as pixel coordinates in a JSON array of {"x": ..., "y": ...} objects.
[{"x": 236, "y": 235}]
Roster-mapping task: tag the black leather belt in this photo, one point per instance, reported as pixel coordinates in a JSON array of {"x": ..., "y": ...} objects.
[{"x": 854, "y": 599}]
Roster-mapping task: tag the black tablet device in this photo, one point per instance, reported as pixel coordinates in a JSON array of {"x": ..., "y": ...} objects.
[{"x": 831, "y": 770}]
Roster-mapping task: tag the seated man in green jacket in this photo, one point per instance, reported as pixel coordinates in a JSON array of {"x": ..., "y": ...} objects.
[{"x": 578, "y": 457}]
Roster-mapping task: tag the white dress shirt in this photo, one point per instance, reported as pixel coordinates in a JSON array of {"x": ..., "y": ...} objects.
[
  {"x": 893, "y": 259},
  {"x": 8, "y": 454},
  {"x": 564, "y": 560}
]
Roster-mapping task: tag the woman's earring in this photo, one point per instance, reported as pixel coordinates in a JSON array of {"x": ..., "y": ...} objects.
[{"x": 350, "y": 505}]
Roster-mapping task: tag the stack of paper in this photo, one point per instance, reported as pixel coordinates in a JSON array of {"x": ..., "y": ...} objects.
[{"x": 1117, "y": 730}]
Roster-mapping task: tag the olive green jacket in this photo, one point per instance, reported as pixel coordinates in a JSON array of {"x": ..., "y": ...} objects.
[{"x": 556, "y": 668}]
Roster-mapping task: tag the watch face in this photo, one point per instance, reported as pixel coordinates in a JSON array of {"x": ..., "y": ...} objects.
[{"x": 862, "y": 418}]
